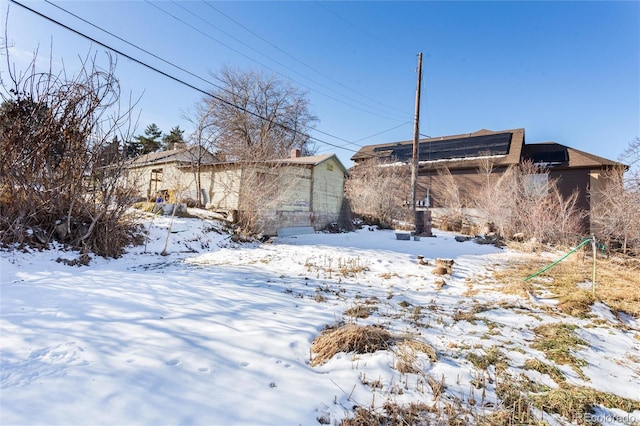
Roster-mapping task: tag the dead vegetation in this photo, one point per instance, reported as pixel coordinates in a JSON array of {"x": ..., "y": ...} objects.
[
  {"x": 544, "y": 368},
  {"x": 359, "y": 339},
  {"x": 391, "y": 414},
  {"x": 62, "y": 138},
  {"x": 407, "y": 352},
  {"x": 377, "y": 191},
  {"x": 492, "y": 356},
  {"x": 520, "y": 399},
  {"x": 330, "y": 266},
  {"x": 360, "y": 311},
  {"x": 443, "y": 267},
  {"x": 576, "y": 403},
  {"x": 570, "y": 282}
]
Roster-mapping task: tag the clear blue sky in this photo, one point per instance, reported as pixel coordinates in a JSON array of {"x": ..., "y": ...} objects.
[{"x": 565, "y": 71}]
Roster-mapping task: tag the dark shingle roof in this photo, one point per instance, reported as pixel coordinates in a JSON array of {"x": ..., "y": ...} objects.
[
  {"x": 504, "y": 145},
  {"x": 467, "y": 151},
  {"x": 553, "y": 154}
]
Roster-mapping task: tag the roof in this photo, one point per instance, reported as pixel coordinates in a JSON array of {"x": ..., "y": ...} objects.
[
  {"x": 555, "y": 155},
  {"x": 181, "y": 155},
  {"x": 471, "y": 150},
  {"x": 504, "y": 147},
  {"x": 312, "y": 160}
]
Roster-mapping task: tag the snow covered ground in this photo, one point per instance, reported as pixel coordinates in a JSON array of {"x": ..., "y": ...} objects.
[{"x": 219, "y": 333}]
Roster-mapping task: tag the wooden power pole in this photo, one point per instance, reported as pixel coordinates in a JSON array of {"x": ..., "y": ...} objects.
[{"x": 416, "y": 135}]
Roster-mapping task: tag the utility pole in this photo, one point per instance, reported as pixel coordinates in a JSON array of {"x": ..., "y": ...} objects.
[{"x": 416, "y": 135}]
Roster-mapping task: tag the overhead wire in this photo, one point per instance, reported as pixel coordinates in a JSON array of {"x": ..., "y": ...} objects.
[
  {"x": 133, "y": 45},
  {"x": 354, "y": 143},
  {"x": 386, "y": 111},
  {"x": 298, "y": 60},
  {"x": 360, "y": 29},
  {"x": 178, "y": 80},
  {"x": 182, "y": 21}
]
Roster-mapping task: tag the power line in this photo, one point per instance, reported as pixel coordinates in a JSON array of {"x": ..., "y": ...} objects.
[
  {"x": 351, "y": 24},
  {"x": 207, "y": 81},
  {"x": 379, "y": 133},
  {"x": 182, "y": 21},
  {"x": 133, "y": 45},
  {"x": 191, "y": 86},
  {"x": 296, "y": 59},
  {"x": 147, "y": 52},
  {"x": 289, "y": 68}
]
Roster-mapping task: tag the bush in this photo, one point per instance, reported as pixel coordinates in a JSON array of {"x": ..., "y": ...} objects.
[{"x": 60, "y": 171}]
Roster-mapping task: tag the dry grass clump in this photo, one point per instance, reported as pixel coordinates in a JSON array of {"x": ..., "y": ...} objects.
[
  {"x": 557, "y": 340},
  {"x": 360, "y": 311},
  {"x": 514, "y": 407},
  {"x": 492, "y": 356},
  {"x": 544, "y": 368},
  {"x": 577, "y": 303},
  {"x": 407, "y": 352},
  {"x": 437, "y": 386},
  {"x": 576, "y": 402},
  {"x": 349, "y": 338},
  {"x": 511, "y": 277},
  {"x": 351, "y": 267},
  {"x": 391, "y": 414},
  {"x": 368, "y": 339},
  {"x": 470, "y": 315},
  {"x": 616, "y": 282},
  {"x": 443, "y": 267}
]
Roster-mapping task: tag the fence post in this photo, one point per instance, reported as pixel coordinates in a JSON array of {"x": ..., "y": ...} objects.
[{"x": 594, "y": 245}]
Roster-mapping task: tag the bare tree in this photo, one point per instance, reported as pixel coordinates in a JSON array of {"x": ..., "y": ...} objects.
[
  {"x": 62, "y": 159},
  {"x": 540, "y": 211},
  {"x": 522, "y": 200},
  {"x": 204, "y": 137},
  {"x": 379, "y": 192},
  {"x": 616, "y": 213},
  {"x": 257, "y": 117},
  {"x": 631, "y": 154},
  {"x": 450, "y": 198},
  {"x": 495, "y": 199}
]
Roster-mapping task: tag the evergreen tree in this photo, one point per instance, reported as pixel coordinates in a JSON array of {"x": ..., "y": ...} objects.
[
  {"x": 150, "y": 142},
  {"x": 174, "y": 137},
  {"x": 133, "y": 149}
]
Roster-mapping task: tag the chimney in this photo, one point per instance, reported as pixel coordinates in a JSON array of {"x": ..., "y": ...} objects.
[{"x": 296, "y": 153}]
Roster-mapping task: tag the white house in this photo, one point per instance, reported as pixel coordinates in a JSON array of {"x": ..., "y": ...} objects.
[
  {"x": 169, "y": 173},
  {"x": 286, "y": 195},
  {"x": 279, "y": 196}
]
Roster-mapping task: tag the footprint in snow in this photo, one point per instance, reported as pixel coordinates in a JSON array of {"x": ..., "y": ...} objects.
[{"x": 173, "y": 362}]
